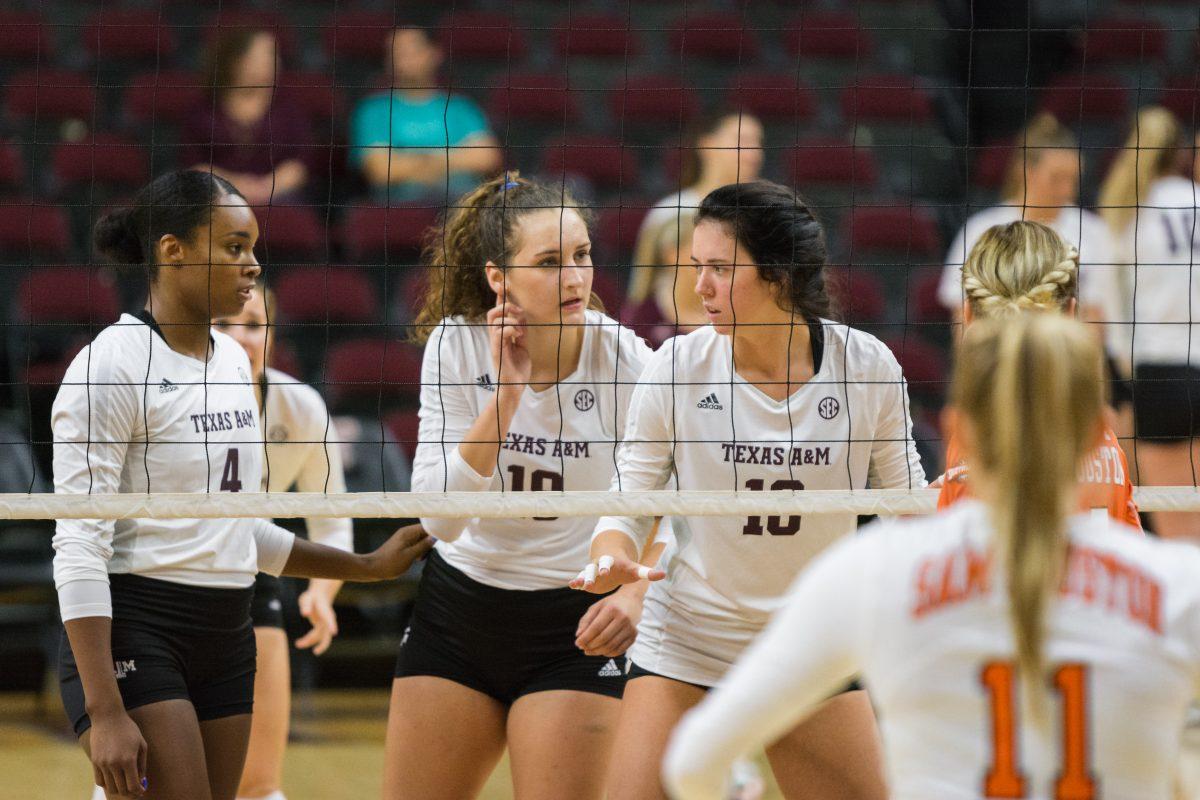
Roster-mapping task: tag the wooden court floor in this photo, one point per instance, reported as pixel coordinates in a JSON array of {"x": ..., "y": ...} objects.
[{"x": 336, "y": 752}]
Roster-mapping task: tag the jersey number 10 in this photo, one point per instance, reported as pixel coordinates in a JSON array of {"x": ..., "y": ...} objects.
[
  {"x": 775, "y": 524},
  {"x": 1004, "y": 778}
]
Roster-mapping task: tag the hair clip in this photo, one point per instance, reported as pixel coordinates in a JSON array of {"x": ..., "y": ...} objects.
[{"x": 509, "y": 183}]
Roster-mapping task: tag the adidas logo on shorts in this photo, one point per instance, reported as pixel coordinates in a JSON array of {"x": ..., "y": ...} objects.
[
  {"x": 711, "y": 403},
  {"x": 610, "y": 670},
  {"x": 485, "y": 382},
  {"x": 167, "y": 386}
]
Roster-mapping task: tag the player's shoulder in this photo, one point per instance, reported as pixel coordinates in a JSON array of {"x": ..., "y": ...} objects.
[
  {"x": 988, "y": 217},
  {"x": 294, "y": 390},
  {"x": 227, "y": 348},
  {"x": 856, "y": 352},
  {"x": 614, "y": 345},
  {"x": 121, "y": 349},
  {"x": 693, "y": 351},
  {"x": 1102, "y": 532},
  {"x": 1173, "y": 191},
  {"x": 301, "y": 405}
]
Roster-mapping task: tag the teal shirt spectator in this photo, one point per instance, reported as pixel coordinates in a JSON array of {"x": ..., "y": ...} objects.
[{"x": 391, "y": 119}]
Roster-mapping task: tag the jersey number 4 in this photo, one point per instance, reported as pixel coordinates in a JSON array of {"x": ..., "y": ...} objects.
[
  {"x": 775, "y": 525},
  {"x": 1004, "y": 777},
  {"x": 230, "y": 482}
]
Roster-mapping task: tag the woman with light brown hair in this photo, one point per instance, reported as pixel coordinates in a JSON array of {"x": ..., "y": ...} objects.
[
  {"x": 1149, "y": 199},
  {"x": 524, "y": 388},
  {"x": 1013, "y": 647}
]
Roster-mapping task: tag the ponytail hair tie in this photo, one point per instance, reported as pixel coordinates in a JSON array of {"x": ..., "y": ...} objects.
[{"x": 509, "y": 183}]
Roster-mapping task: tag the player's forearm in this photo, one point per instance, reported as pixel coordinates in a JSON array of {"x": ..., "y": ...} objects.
[
  {"x": 480, "y": 446},
  {"x": 91, "y": 644},
  {"x": 311, "y": 560},
  {"x": 613, "y": 543}
]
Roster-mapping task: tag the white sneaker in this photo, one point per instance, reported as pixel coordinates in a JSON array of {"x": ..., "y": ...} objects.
[{"x": 746, "y": 781}]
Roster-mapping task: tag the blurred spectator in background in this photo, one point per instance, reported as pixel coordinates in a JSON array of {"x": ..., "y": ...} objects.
[
  {"x": 1149, "y": 200},
  {"x": 419, "y": 141},
  {"x": 1042, "y": 185},
  {"x": 723, "y": 149},
  {"x": 246, "y": 136}
]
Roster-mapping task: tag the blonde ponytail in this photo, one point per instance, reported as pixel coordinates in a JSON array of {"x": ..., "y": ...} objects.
[
  {"x": 1149, "y": 154},
  {"x": 1022, "y": 266},
  {"x": 1031, "y": 387}
]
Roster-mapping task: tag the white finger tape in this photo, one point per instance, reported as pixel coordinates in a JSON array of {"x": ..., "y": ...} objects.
[
  {"x": 643, "y": 573},
  {"x": 605, "y": 564},
  {"x": 589, "y": 573}
]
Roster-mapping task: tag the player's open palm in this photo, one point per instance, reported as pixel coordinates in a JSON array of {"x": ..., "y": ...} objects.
[
  {"x": 608, "y": 572},
  {"x": 506, "y": 330}
]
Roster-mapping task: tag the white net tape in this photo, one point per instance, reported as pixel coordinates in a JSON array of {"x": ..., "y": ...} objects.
[{"x": 498, "y": 505}]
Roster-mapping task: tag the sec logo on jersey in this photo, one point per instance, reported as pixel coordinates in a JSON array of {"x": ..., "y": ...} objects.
[
  {"x": 828, "y": 408},
  {"x": 584, "y": 400}
]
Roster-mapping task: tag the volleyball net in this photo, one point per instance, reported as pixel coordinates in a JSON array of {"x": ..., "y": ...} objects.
[{"x": 896, "y": 120}]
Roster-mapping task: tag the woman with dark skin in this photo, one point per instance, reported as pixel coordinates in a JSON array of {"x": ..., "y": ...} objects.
[{"x": 157, "y": 664}]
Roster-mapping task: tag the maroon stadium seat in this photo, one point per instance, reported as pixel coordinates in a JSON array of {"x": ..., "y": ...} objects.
[
  {"x": 1074, "y": 99},
  {"x": 655, "y": 99},
  {"x": 1181, "y": 95},
  {"x": 319, "y": 294},
  {"x": 896, "y": 229},
  {"x": 1123, "y": 40},
  {"x": 833, "y": 35},
  {"x": 886, "y": 98},
  {"x": 359, "y": 35},
  {"x": 12, "y": 166},
  {"x": 404, "y": 429},
  {"x": 68, "y": 294},
  {"x": 831, "y": 161},
  {"x": 602, "y": 160},
  {"x": 24, "y": 37},
  {"x": 607, "y": 287},
  {"x": 370, "y": 232},
  {"x": 858, "y": 294},
  {"x": 924, "y": 364},
  {"x": 617, "y": 228},
  {"x": 482, "y": 35},
  {"x": 106, "y": 159},
  {"x": 991, "y": 159},
  {"x": 772, "y": 96},
  {"x": 50, "y": 94},
  {"x": 923, "y": 303},
  {"x": 715, "y": 35},
  {"x": 115, "y": 34},
  {"x": 292, "y": 232},
  {"x": 312, "y": 92},
  {"x": 596, "y": 36},
  {"x": 538, "y": 97},
  {"x": 33, "y": 227},
  {"x": 367, "y": 369},
  {"x": 164, "y": 96}
]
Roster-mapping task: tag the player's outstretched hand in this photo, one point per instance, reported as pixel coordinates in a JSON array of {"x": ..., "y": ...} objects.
[
  {"x": 397, "y": 554},
  {"x": 608, "y": 572}
]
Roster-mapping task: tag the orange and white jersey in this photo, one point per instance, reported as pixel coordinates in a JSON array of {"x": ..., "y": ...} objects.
[
  {"x": 1103, "y": 478},
  {"x": 919, "y": 609}
]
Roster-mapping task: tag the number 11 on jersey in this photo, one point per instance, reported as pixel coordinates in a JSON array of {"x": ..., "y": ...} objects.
[{"x": 1004, "y": 778}]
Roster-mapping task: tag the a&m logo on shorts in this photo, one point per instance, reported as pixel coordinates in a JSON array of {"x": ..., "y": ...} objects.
[
  {"x": 829, "y": 408},
  {"x": 123, "y": 668},
  {"x": 584, "y": 400}
]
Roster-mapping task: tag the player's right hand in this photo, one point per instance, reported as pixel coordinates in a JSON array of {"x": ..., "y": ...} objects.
[
  {"x": 397, "y": 554},
  {"x": 118, "y": 753},
  {"x": 608, "y": 572},
  {"x": 506, "y": 330}
]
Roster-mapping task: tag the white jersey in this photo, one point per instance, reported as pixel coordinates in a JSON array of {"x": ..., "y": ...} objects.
[
  {"x": 920, "y": 610},
  {"x": 694, "y": 418},
  {"x": 1099, "y": 268},
  {"x": 562, "y": 438},
  {"x": 133, "y": 415},
  {"x": 1163, "y": 244},
  {"x": 300, "y": 451}
]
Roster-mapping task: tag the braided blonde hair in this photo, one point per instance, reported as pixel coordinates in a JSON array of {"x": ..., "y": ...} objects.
[{"x": 1022, "y": 266}]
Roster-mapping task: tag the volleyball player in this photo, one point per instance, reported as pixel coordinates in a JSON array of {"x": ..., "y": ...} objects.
[
  {"x": 1150, "y": 201},
  {"x": 524, "y": 387},
  {"x": 1026, "y": 266},
  {"x": 298, "y": 453},
  {"x": 157, "y": 662},
  {"x": 771, "y": 396},
  {"x": 1013, "y": 649}
]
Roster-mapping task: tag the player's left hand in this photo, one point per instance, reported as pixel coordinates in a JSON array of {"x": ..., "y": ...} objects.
[
  {"x": 316, "y": 608},
  {"x": 608, "y": 572},
  {"x": 610, "y": 625}
]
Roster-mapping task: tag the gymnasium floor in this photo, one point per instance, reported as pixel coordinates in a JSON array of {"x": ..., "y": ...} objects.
[{"x": 336, "y": 753}]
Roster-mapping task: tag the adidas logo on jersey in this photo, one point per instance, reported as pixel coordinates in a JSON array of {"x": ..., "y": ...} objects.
[
  {"x": 711, "y": 403},
  {"x": 485, "y": 382},
  {"x": 610, "y": 670},
  {"x": 166, "y": 386}
]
